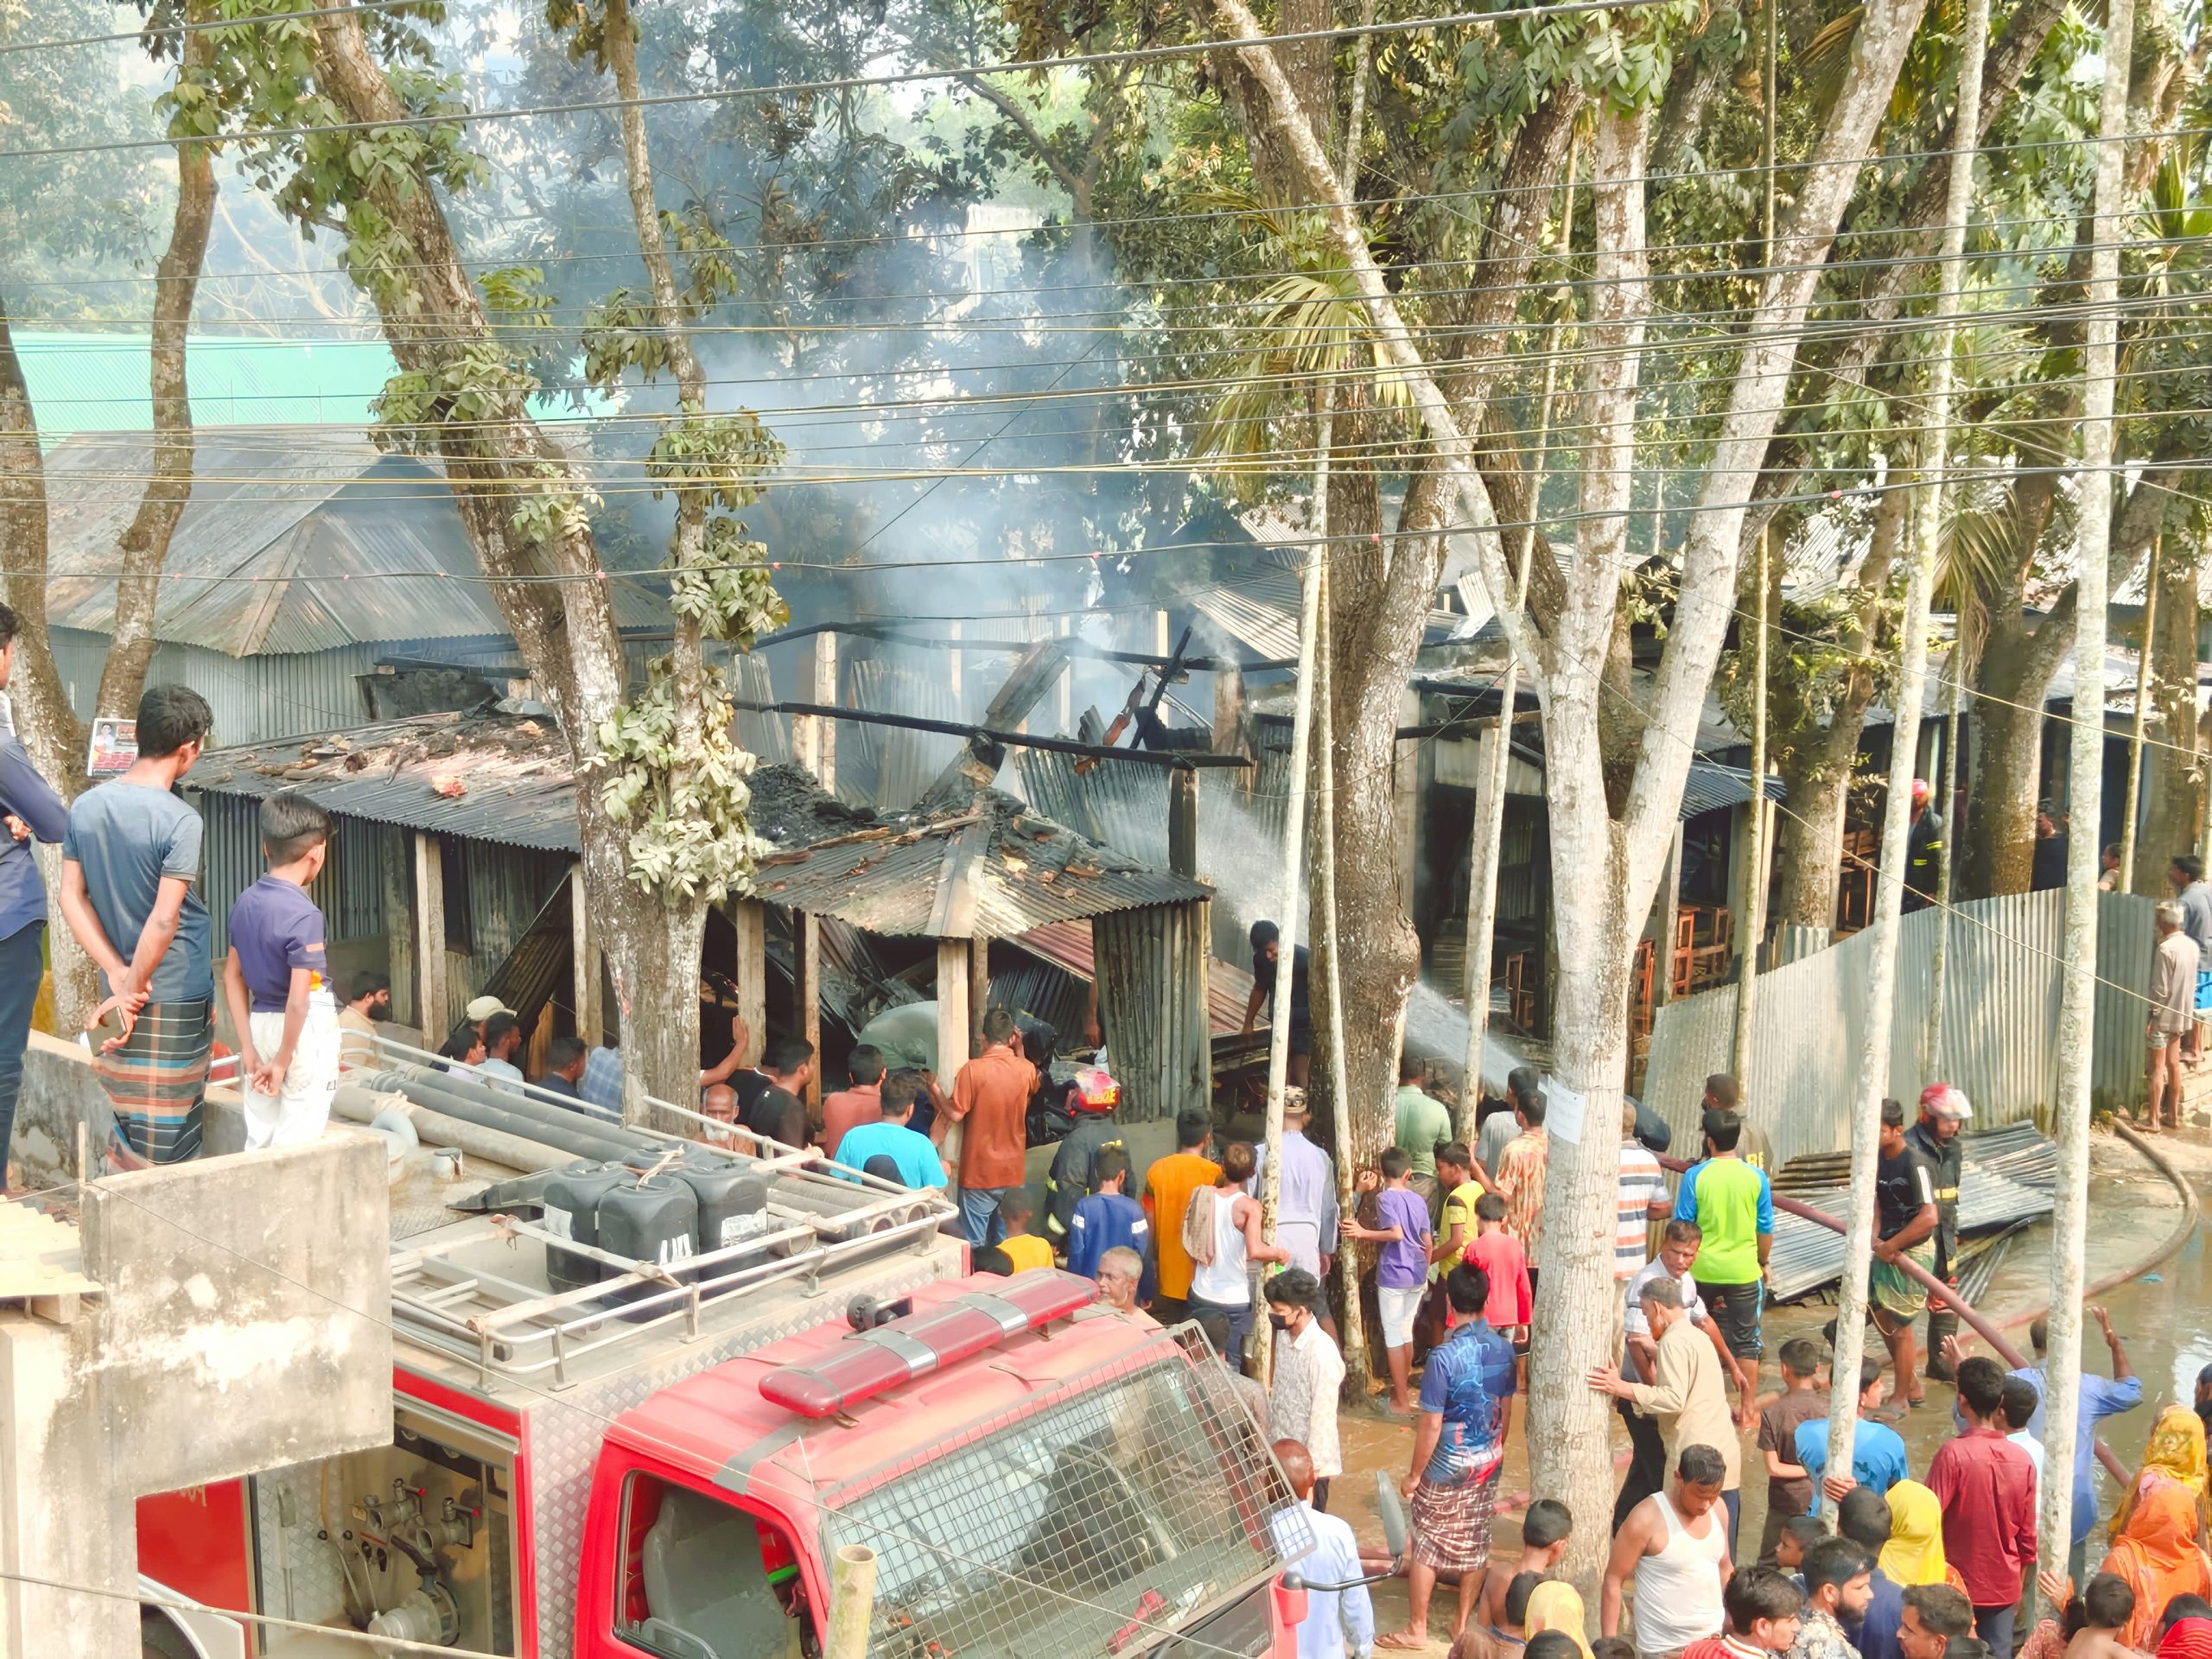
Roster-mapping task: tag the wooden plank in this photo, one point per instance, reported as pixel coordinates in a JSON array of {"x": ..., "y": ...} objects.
[
  {"x": 807, "y": 944},
  {"x": 750, "y": 918},
  {"x": 430, "y": 938}
]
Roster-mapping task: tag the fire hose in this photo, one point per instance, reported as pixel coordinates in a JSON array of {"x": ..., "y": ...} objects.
[{"x": 1990, "y": 1333}]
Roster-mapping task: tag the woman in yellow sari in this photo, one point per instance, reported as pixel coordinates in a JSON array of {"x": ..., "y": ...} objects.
[
  {"x": 2176, "y": 1452},
  {"x": 2157, "y": 1554},
  {"x": 1555, "y": 1606},
  {"x": 1915, "y": 1551}
]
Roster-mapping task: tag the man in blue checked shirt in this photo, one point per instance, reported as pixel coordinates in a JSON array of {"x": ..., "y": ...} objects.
[{"x": 1338, "y": 1622}]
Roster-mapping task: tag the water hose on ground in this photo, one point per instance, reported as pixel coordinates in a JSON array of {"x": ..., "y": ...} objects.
[{"x": 1992, "y": 1332}]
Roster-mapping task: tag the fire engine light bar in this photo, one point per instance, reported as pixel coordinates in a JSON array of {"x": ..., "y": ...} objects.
[{"x": 867, "y": 1362}]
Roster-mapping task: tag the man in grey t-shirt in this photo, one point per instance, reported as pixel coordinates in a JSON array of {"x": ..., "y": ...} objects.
[
  {"x": 2194, "y": 893},
  {"x": 130, "y": 858}
]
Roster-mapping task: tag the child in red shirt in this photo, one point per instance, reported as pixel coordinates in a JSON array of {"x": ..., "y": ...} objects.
[{"x": 1505, "y": 1264}]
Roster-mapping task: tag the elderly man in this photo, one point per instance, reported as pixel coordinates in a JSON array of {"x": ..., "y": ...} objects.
[
  {"x": 2173, "y": 1016},
  {"x": 1120, "y": 1271},
  {"x": 1685, "y": 1396}
]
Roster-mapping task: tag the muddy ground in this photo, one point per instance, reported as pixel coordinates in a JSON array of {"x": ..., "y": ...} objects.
[{"x": 2162, "y": 1317}]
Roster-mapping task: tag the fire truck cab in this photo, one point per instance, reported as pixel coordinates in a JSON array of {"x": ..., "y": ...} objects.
[{"x": 660, "y": 1460}]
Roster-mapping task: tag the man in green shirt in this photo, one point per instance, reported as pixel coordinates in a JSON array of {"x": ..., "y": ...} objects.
[
  {"x": 1733, "y": 1206},
  {"x": 1423, "y": 1126}
]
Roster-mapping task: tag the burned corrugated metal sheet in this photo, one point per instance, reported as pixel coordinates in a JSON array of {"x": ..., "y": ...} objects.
[
  {"x": 988, "y": 869},
  {"x": 517, "y": 788},
  {"x": 2000, "y": 1023},
  {"x": 523, "y": 966},
  {"x": 1068, "y": 944},
  {"x": 905, "y": 763},
  {"x": 1151, "y": 1006},
  {"x": 291, "y": 544}
]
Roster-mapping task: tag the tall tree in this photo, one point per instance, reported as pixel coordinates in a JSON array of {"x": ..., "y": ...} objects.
[{"x": 346, "y": 131}]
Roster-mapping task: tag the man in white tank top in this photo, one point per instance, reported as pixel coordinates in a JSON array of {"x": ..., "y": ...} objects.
[{"x": 1674, "y": 1544}]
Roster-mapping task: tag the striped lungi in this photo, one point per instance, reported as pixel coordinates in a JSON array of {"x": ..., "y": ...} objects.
[
  {"x": 156, "y": 1081},
  {"x": 1451, "y": 1519}
]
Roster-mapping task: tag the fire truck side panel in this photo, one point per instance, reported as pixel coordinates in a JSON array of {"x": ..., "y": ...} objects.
[{"x": 199, "y": 1542}]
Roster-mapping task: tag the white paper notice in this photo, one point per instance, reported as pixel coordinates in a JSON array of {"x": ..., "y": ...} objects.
[{"x": 1564, "y": 1111}]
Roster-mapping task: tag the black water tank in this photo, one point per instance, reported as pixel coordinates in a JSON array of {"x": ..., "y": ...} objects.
[
  {"x": 732, "y": 1207},
  {"x": 572, "y": 1200},
  {"x": 656, "y": 1219}
]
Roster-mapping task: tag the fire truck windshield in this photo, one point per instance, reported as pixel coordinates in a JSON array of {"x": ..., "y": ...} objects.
[{"x": 1097, "y": 1523}]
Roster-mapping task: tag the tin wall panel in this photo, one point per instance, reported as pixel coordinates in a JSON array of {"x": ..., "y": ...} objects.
[{"x": 1999, "y": 1040}]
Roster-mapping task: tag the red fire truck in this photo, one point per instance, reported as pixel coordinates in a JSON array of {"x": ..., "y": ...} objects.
[{"x": 664, "y": 1461}]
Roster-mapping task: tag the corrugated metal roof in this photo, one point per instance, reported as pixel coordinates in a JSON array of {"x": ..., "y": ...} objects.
[
  {"x": 990, "y": 869},
  {"x": 1068, "y": 945},
  {"x": 519, "y": 789},
  {"x": 291, "y": 542},
  {"x": 1711, "y": 785}
]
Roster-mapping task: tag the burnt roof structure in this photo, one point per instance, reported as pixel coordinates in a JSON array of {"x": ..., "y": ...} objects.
[{"x": 990, "y": 868}]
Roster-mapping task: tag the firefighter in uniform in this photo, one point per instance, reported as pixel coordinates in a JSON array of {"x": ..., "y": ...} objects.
[
  {"x": 1943, "y": 1112},
  {"x": 1923, "y": 849}
]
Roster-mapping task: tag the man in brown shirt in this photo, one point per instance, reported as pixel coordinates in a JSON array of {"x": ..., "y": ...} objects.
[
  {"x": 849, "y": 1108},
  {"x": 990, "y": 1104}
]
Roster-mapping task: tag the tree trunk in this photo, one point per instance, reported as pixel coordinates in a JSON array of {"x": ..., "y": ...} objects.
[
  {"x": 44, "y": 720},
  {"x": 1373, "y": 587},
  {"x": 2175, "y": 775},
  {"x": 565, "y": 629},
  {"x": 2007, "y": 768},
  {"x": 1809, "y": 842},
  {"x": 145, "y": 542}
]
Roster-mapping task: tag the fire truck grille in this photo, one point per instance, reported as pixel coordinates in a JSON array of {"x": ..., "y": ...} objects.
[{"x": 1103, "y": 1518}]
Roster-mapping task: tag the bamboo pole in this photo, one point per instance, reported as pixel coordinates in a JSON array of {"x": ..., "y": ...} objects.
[
  {"x": 2142, "y": 711},
  {"x": 1490, "y": 804},
  {"x": 852, "y": 1601},
  {"x": 1874, "y": 1058},
  {"x": 1954, "y": 670},
  {"x": 1358, "y": 1378},
  {"x": 1294, "y": 839},
  {"x": 1747, "y": 978},
  {"x": 2085, "y": 796}
]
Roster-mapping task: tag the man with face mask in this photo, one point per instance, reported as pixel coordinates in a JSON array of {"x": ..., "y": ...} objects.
[{"x": 1309, "y": 1373}]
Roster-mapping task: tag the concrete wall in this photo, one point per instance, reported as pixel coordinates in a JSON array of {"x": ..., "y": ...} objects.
[{"x": 243, "y": 1324}]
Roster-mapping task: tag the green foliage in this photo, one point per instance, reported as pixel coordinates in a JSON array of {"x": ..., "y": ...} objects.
[{"x": 685, "y": 801}]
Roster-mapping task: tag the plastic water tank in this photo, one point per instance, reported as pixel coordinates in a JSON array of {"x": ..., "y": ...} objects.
[
  {"x": 572, "y": 1200},
  {"x": 732, "y": 1207},
  {"x": 656, "y": 1219}
]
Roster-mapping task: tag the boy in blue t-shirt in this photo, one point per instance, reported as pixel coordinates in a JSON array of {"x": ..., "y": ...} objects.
[
  {"x": 1107, "y": 1218},
  {"x": 1877, "y": 1455},
  {"x": 276, "y": 982}
]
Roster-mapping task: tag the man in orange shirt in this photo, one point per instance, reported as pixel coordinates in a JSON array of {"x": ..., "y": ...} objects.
[
  {"x": 990, "y": 1102},
  {"x": 1167, "y": 1188},
  {"x": 861, "y": 1103}
]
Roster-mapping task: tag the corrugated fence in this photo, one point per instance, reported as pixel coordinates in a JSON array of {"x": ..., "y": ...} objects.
[{"x": 2000, "y": 1023}]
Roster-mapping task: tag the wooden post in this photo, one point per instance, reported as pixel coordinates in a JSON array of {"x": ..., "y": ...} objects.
[
  {"x": 430, "y": 938},
  {"x": 1671, "y": 916},
  {"x": 591, "y": 1028},
  {"x": 979, "y": 992},
  {"x": 951, "y": 1033},
  {"x": 2142, "y": 710},
  {"x": 825, "y": 692},
  {"x": 399, "y": 928},
  {"x": 806, "y": 946},
  {"x": 750, "y": 918},
  {"x": 1067, "y": 686},
  {"x": 1183, "y": 824},
  {"x": 1160, "y": 633}
]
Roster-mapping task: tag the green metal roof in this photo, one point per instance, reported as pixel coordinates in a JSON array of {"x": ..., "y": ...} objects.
[
  {"x": 88, "y": 382},
  {"x": 94, "y": 381}
]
